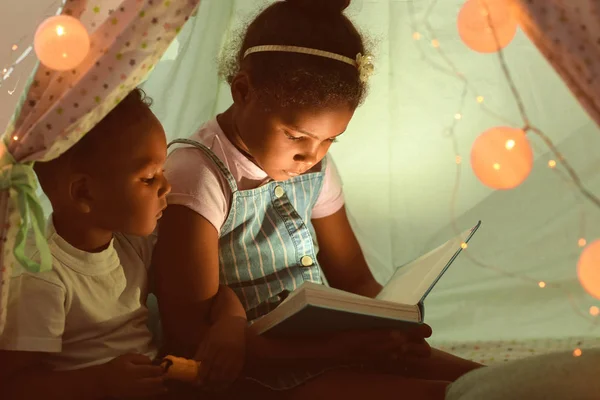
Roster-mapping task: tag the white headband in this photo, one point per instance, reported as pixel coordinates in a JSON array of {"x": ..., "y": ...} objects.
[{"x": 364, "y": 63}]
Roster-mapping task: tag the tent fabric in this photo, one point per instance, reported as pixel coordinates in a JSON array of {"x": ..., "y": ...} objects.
[
  {"x": 397, "y": 163},
  {"x": 57, "y": 108}
]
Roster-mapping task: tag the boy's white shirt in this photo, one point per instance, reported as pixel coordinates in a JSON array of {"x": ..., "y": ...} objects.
[{"x": 89, "y": 309}]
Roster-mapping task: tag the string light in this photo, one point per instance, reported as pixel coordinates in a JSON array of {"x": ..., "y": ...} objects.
[
  {"x": 581, "y": 242},
  {"x": 435, "y": 43},
  {"x": 457, "y": 116},
  {"x": 567, "y": 173},
  {"x": 463, "y": 245},
  {"x": 61, "y": 42},
  {"x": 577, "y": 352},
  {"x": 416, "y": 36},
  {"x": 15, "y": 138},
  {"x": 57, "y": 6},
  {"x": 594, "y": 311},
  {"x": 552, "y": 163}
]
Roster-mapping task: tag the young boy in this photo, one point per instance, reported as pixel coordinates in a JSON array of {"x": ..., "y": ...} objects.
[{"x": 79, "y": 331}]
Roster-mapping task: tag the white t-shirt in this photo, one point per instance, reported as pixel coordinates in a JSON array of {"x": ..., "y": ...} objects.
[
  {"x": 198, "y": 184},
  {"x": 89, "y": 309}
]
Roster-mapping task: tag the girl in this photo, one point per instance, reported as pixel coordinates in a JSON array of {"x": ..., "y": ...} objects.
[{"x": 261, "y": 208}]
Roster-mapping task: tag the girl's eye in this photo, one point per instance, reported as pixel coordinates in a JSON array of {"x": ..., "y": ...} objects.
[
  {"x": 291, "y": 137},
  {"x": 148, "y": 181}
]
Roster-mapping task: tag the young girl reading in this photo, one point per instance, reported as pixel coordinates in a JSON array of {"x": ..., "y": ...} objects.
[{"x": 258, "y": 206}]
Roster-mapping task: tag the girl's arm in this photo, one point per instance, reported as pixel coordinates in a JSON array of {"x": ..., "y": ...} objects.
[
  {"x": 187, "y": 279},
  {"x": 341, "y": 257},
  {"x": 186, "y": 267}
]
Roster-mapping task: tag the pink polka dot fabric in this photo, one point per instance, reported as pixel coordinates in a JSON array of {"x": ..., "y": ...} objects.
[
  {"x": 567, "y": 33},
  {"x": 127, "y": 38}
]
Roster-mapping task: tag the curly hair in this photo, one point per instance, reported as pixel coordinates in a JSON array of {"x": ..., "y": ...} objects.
[{"x": 298, "y": 80}]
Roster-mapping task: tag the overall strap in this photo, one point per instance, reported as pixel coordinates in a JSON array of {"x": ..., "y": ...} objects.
[{"x": 224, "y": 170}]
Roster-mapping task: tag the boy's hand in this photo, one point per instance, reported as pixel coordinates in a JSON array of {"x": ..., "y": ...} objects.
[
  {"x": 223, "y": 352},
  {"x": 132, "y": 375}
]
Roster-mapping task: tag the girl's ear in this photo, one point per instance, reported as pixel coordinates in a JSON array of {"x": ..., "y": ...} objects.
[{"x": 241, "y": 89}]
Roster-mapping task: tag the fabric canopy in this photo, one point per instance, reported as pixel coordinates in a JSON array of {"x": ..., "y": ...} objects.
[
  {"x": 567, "y": 33},
  {"x": 57, "y": 108},
  {"x": 398, "y": 164}
]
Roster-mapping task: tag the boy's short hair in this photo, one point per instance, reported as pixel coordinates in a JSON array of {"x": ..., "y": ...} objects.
[{"x": 133, "y": 109}]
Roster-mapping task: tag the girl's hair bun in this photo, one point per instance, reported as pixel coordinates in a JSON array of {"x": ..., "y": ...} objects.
[{"x": 321, "y": 6}]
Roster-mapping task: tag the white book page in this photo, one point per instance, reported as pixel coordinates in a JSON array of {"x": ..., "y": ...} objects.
[{"x": 410, "y": 282}]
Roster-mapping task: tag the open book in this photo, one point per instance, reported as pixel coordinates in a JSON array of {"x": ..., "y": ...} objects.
[{"x": 314, "y": 308}]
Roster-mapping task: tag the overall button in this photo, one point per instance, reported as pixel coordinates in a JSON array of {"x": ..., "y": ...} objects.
[
  {"x": 306, "y": 261},
  {"x": 279, "y": 192}
]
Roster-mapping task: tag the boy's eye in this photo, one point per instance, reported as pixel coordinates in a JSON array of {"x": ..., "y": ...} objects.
[{"x": 148, "y": 181}]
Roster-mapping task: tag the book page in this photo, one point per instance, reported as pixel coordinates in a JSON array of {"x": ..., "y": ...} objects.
[{"x": 411, "y": 282}]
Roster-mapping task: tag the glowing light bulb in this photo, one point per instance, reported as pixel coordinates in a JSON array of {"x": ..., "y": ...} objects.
[
  {"x": 480, "y": 99},
  {"x": 15, "y": 138},
  {"x": 463, "y": 245},
  {"x": 416, "y": 36},
  {"x": 588, "y": 269},
  {"x": 61, "y": 43},
  {"x": 594, "y": 311},
  {"x": 502, "y": 158},
  {"x": 542, "y": 284},
  {"x": 14, "y": 47},
  {"x": 474, "y": 25},
  {"x": 457, "y": 116},
  {"x": 582, "y": 242},
  {"x": 552, "y": 163},
  {"x": 458, "y": 159},
  {"x": 435, "y": 43},
  {"x": 577, "y": 352}
]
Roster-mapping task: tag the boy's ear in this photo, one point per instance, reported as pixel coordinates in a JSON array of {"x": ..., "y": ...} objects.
[
  {"x": 80, "y": 193},
  {"x": 241, "y": 89}
]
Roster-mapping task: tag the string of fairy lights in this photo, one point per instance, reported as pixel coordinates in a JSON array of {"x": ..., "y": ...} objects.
[
  {"x": 424, "y": 32},
  {"x": 9, "y": 68},
  {"x": 425, "y": 35}
]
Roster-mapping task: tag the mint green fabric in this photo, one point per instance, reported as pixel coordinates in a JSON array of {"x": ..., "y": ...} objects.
[
  {"x": 398, "y": 165},
  {"x": 21, "y": 179}
]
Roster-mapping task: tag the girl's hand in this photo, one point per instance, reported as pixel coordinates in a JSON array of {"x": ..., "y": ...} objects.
[
  {"x": 350, "y": 347},
  {"x": 222, "y": 353},
  {"x": 382, "y": 344}
]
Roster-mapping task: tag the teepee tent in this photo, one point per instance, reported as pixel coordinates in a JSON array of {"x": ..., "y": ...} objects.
[
  {"x": 126, "y": 37},
  {"x": 516, "y": 290}
]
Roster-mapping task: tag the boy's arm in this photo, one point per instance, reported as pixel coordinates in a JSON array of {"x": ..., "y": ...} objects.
[
  {"x": 24, "y": 376},
  {"x": 21, "y": 377}
]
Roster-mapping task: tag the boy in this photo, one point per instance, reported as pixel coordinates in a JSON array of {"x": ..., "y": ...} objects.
[{"x": 79, "y": 331}]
